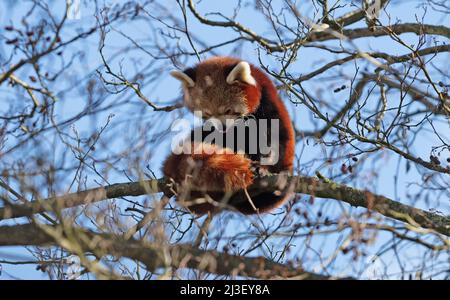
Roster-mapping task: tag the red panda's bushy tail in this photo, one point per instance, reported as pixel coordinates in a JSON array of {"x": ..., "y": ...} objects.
[
  {"x": 210, "y": 174},
  {"x": 210, "y": 170}
]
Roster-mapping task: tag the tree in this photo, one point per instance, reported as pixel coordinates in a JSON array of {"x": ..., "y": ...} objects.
[{"x": 85, "y": 123}]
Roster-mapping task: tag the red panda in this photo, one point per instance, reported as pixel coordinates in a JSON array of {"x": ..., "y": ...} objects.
[{"x": 228, "y": 88}]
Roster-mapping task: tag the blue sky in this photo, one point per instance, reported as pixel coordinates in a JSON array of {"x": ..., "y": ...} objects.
[{"x": 166, "y": 89}]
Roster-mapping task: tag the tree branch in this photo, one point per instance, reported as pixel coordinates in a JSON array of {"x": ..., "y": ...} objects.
[
  {"x": 374, "y": 31},
  {"x": 300, "y": 184},
  {"x": 154, "y": 255},
  {"x": 355, "y": 16}
]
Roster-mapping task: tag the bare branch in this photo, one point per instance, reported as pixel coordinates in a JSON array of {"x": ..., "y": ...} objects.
[
  {"x": 154, "y": 255},
  {"x": 301, "y": 184}
]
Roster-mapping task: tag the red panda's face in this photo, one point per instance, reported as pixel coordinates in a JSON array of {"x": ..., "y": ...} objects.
[{"x": 219, "y": 87}]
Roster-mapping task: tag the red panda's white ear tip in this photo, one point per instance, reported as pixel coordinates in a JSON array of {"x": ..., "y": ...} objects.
[
  {"x": 241, "y": 72},
  {"x": 183, "y": 77}
]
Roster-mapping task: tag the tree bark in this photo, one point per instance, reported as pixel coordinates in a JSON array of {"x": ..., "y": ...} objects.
[{"x": 299, "y": 184}]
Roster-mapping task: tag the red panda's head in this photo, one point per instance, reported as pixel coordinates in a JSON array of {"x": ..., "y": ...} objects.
[{"x": 221, "y": 87}]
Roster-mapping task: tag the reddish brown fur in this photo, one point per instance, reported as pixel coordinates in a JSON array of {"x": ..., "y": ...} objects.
[
  {"x": 252, "y": 96},
  {"x": 203, "y": 97},
  {"x": 227, "y": 171},
  {"x": 218, "y": 171},
  {"x": 264, "y": 81}
]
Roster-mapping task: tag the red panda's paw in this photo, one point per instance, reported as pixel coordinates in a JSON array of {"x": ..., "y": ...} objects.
[{"x": 210, "y": 168}]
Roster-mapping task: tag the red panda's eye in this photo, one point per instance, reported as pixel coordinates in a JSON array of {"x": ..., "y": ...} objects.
[{"x": 228, "y": 111}]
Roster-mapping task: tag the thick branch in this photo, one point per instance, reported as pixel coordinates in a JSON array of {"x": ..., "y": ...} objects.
[
  {"x": 375, "y": 31},
  {"x": 154, "y": 255},
  {"x": 301, "y": 184},
  {"x": 362, "y": 198},
  {"x": 85, "y": 197}
]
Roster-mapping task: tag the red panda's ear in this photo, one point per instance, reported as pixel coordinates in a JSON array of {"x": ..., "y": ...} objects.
[
  {"x": 184, "y": 78},
  {"x": 241, "y": 73}
]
